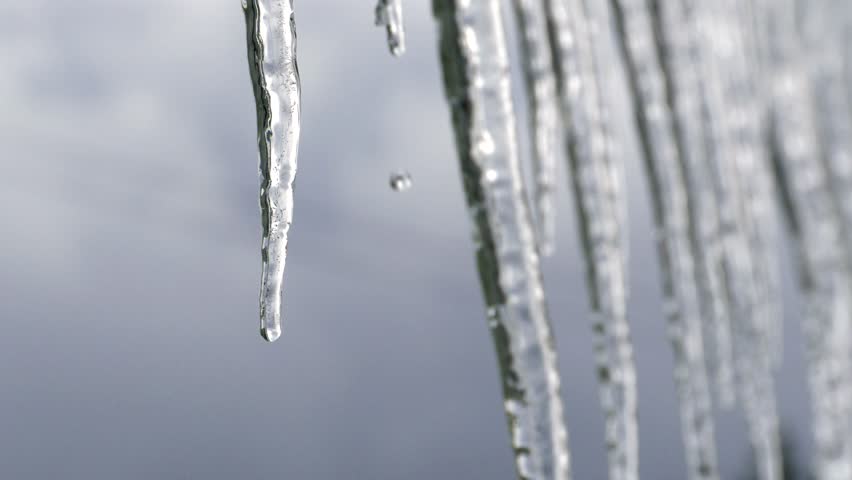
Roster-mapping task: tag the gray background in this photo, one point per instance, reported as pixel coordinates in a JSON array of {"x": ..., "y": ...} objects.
[{"x": 129, "y": 265}]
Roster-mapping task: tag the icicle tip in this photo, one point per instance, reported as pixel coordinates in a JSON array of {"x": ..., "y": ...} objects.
[{"x": 270, "y": 334}]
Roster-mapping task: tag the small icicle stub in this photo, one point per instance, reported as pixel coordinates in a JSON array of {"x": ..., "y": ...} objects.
[
  {"x": 271, "y": 32},
  {"x": 389, "y": 15}
]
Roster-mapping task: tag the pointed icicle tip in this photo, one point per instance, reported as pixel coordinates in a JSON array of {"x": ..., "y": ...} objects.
[{"x": 270, "y": 334}]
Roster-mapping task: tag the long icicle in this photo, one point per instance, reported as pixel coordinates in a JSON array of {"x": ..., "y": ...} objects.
[
  {"x": 544, "y": 114},
  {"x": 271, "y": 31},
  {"x": 741, "y": 177},
  {"x": 677, "y": 46},
  {"x": 477, "y": 83},
  {"x": 816, "y": 223},
  {"x": 389, "y": 15},
  {"x": 597, "y": 190},
  {"x": 671, "y": 212}
]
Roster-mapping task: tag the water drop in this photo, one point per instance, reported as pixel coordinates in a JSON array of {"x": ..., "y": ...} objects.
[{"x": 400, "y": 181}]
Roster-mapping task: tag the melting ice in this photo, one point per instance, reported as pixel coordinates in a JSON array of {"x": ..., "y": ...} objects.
[{"x": 743, "y": 112}]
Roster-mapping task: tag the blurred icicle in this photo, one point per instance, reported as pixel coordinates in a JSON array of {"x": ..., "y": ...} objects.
[
  {"x": 271, "y": 31},
  {"x": 477, "y": 83},
  {"x": 597, "y": 186},
  {"x": 678, "y": 48},
  {"x": 735, "y": 115},
  {"x": 389, "y": 15},
  {"x": 815, "y": 220},
  {"x": 544, "y": 114},
  {"x": 668, "y": 185},
  {"x": 823, "y": 33}
]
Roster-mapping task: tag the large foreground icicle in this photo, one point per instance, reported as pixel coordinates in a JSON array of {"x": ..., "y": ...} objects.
[
  {"x": 272, "y": 61},
  {"x": 389, "y": 15},
  {"x": 597, "y": 187},
  {"x": 476, "y": 78},
  {"x": 671, "y": 211},
  {"x": 815, "y": 220},
  {"x": 544, "y": 114}
]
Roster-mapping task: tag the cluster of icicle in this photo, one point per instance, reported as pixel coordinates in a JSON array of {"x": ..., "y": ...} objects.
[{"x": 743, "y": 112}]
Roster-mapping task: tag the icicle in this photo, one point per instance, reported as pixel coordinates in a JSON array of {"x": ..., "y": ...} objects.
[
  {"x": 272, "y": 62},
  {"x": 544, "y": 115},
  {"x": 671, "y": 209},
  {"x": 824, "y": 38},
  {"x": 678, "y": 52},
  {"x": 597, "y": 178},
  {"x": 816, "y": 222},
  {"x": 741, "y": 182},
  {"x": 733, "y": 114},
  {"x": 476, "y": 78},
  {"x": 389, "y": 15},
  {"x": 824, "y": 280}
]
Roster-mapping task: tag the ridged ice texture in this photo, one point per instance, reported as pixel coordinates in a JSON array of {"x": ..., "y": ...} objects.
[
  {"x": 540, "y": 83},
  {"x": 824, "y": 37},
  {"x": 679, "y": 52},
  {"x": 477, "y": 83},
  {"x": 671, "y": 211},
  {"x": 816, "y": 222},
  {"x": 597, "y": 187},
  {"x": 389, "y": 15},
  {"x": 741, "y": 178},
  {"x": 271, "y": 31}
]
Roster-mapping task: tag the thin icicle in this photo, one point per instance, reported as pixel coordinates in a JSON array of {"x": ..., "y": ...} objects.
[
  {"x": 741, "y": 179},
  {"x": 389, "y": 15},
  {"x": 737, "y": 45},
  {"x": 824, "y": 38},
  {"x": 476, "y": 78},
  {"x": 678, "y": 51},
  {"x": 816, "y": 222},
  {"x": 671, "y": 211},
  {"x": 544, "y": 114},
  {"x": 597, "y": 187},
  {"x": 271, "y": 29},
  {"x": 824, "y": 280}
]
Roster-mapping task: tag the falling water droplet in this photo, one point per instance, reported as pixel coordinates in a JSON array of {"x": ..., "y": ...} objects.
[{"x": 400, "y": 181}]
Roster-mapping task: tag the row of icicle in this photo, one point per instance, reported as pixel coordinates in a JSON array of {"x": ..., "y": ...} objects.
[{"x": 742, "y": 110}]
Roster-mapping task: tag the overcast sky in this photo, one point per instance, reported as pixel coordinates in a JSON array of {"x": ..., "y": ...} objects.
[{"x": 129, "y": 265}]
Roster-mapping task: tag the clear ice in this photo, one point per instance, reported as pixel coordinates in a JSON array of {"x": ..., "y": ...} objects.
[
  {"x": 271, "y": 32},
  {"x": 743, "y": 110},
  {"x": 734, "y": 108},
  {"x": 597, "y": 177},
  {"x": 633, "y": 20},
  {"x": 478, "y": 90},
  {"x": 540, "y": 83},
  {"x": 816, "y": 222},
  {"x": 389, "y": 15}
]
